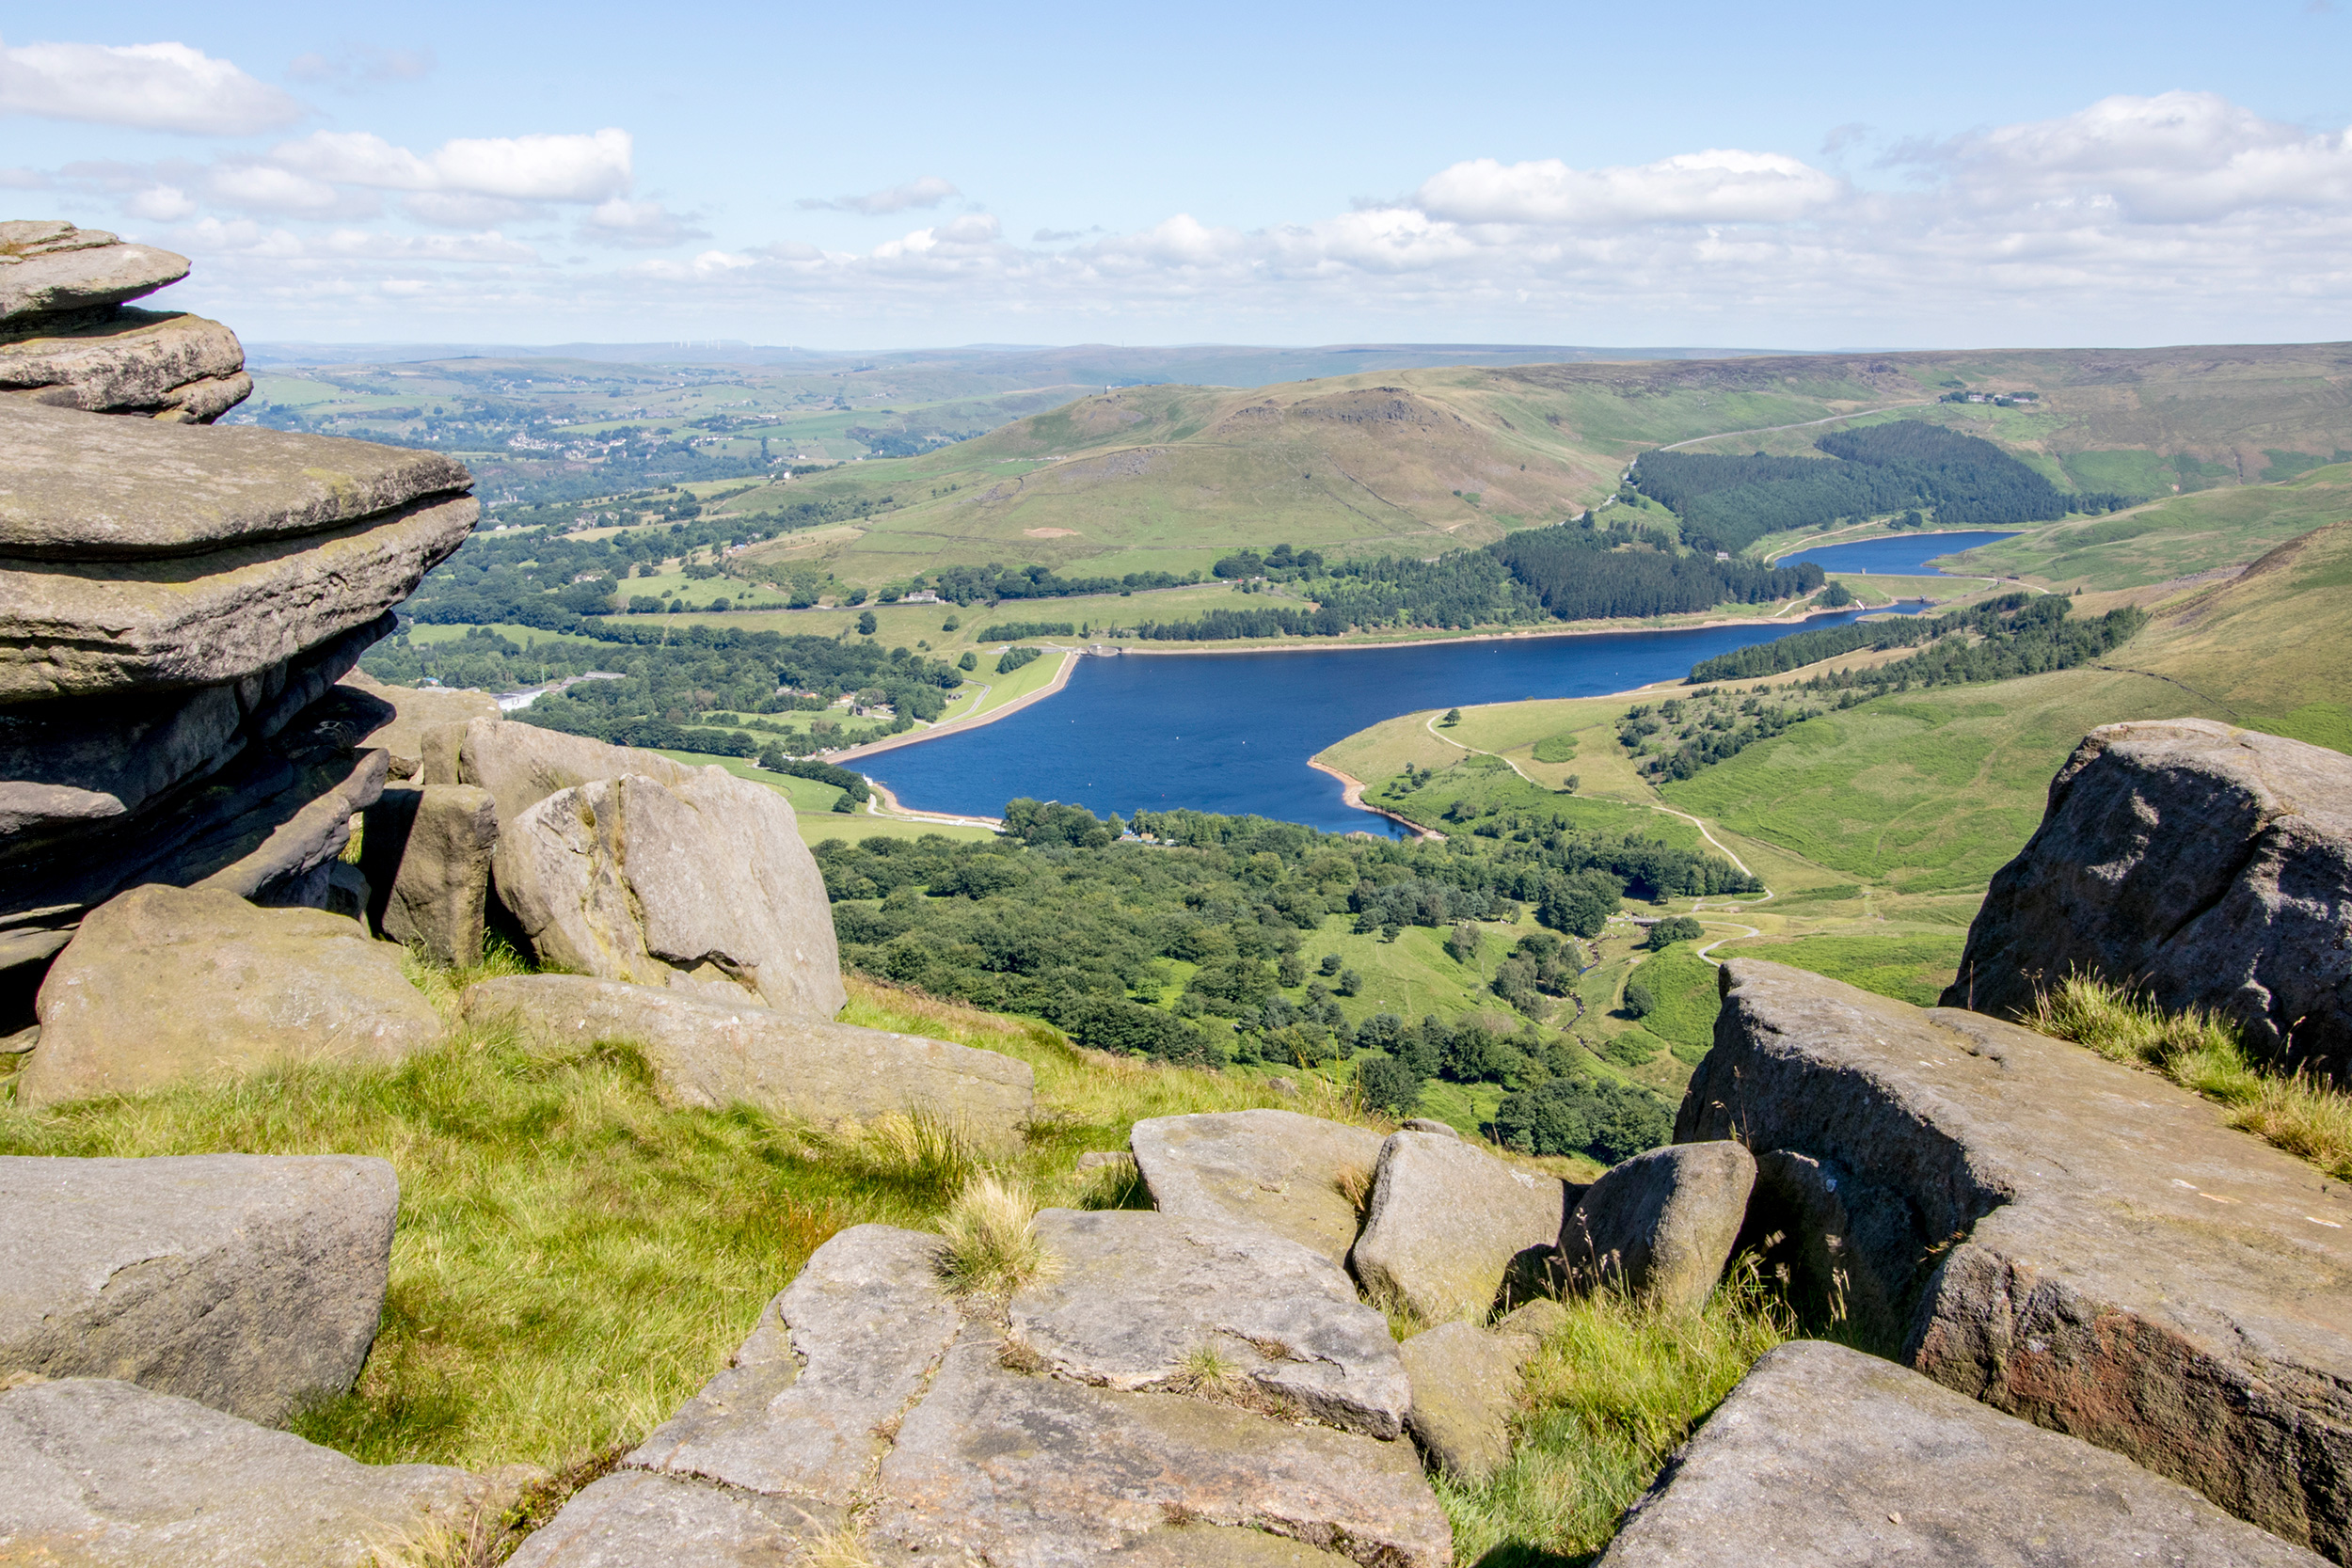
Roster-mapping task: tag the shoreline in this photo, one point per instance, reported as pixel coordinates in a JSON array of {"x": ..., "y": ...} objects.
[
  {"x": 1304, "y": 646},
  {"x": 1352, "y": 794},
  {"x": 957, "y": 726},
  {"x": 898, "y": 812}
]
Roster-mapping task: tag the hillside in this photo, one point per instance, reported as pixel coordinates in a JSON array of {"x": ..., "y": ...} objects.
[{"x": 1168, "y": 478}]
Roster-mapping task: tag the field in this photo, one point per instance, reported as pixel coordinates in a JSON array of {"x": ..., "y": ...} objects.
[{"x": 2176, "y": 537}]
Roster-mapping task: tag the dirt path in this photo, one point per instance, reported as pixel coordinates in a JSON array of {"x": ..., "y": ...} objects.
[{"x": 1800, "y": 424}]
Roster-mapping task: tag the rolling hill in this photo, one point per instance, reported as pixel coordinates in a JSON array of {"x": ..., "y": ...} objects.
[{"x": 1167, "y": 478}]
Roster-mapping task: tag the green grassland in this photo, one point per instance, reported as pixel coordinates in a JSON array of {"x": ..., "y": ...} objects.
[
  {"x": 813, "y": 806},
  {"x": 2179, "y": 536},
  {"x": 1914, "y": 969}
]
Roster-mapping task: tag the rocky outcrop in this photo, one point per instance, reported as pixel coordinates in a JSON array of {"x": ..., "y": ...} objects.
[
  {"x": 249, "y": 1283},
  {"x": 712, "y": 1054},
  {"x": 701, "y": 884},
  {"x": 1661, "y": 1226},
  {"x": 100, "y": 1474},
  {"x": 1446, "y": 1222},
  {"x": 166, "y": 983},
  {"x": 2206, "y": 864},
  {"x": 176, "y": 606},
  {"x": 1825, "y": 1456},
  {"x": 2071, "y": 1241},
  {"x": 1465, "y": 1387},
  {"x": 67, "y": 341},
  {"x": 1141, "y": 1301},
  {"x": 1299, "y": 1177}
]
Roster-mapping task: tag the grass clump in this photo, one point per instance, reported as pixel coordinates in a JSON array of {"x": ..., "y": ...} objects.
[
  {"x": 990, "y": 1242},
  {"x": 2202, "y": 1051},
  {"x": 1611, "y": 1395}
]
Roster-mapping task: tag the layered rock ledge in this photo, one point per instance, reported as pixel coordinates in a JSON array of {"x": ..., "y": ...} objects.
[{"x": 2064, "y": 1237}]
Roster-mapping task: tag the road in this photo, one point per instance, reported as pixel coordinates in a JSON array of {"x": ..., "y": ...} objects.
[{"x": 1800, "y": 424}]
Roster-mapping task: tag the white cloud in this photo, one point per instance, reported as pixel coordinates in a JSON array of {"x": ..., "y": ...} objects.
[
  {"x": 929, "y": 191},
  {"x": 160, "y": 204},
  {"x": 2179, "y": 157},
  {"x": 561, "y": 168},
  {"x": 149, "y": 86},
  {"x": 639, "y": 225},
  {"x": 2177, "y": 218},
  {"x": 1721, "y": 186},
  {"x": 261, "y": 187}
]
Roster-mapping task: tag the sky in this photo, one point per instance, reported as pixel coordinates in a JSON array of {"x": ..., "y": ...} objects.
[{"x": 844, "y": 178}]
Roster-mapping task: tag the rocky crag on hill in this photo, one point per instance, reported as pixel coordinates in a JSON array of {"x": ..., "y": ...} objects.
[{"x": 2107, "y": 1328}]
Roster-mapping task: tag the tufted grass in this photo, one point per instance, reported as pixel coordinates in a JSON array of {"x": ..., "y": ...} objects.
[
  {"x": 1615, "y": 1391},
  {"x": 2306, "y": 1116},
  {"x": 574, "y": 1257}
]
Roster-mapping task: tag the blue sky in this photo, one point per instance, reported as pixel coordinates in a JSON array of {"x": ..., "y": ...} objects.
[{"x": 845, "y": 177}]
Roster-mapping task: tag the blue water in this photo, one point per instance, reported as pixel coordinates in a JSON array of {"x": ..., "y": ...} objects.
[
  {"x": 1903, "y": 555},
  {"x": 1232, "y": 731}
]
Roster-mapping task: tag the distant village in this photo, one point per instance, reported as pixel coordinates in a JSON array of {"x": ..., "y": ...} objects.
[{"x": 1998, "y": 399}]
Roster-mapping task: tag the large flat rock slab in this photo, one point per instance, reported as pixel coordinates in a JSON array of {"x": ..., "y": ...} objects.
[
  {"x": 177, "y": 367},
  {"x": 711, "y": 1054},
  {"x": 1138, "y": 1298},
  {"x": 1278, "y": 1169},
  {"x": 2078, "y": 1242},
  {"x": 249, "y": 1283},
  {"x": 163, "y": 984},
  {"x": 1825, "y": 1456},
  {"x": 702, "y": 884},
  {"x": 1447, "y": 1221},
  {"x": 99, "y": 1473},
  {"x": 2210, "y": 865},
  {"x": 636, "y": 1519},
  {"x": 73, "y": 487},
  {"x": 48, "y": 265},
  {"x": 1036, "y": 1472},
  {"x": 845, "y": 1350},
  {"x": 84, "y": 628}
]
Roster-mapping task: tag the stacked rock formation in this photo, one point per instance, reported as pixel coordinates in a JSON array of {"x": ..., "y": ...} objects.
[
  {"x": 176, "y": 605},
  {"x": 67, "y": 340}
]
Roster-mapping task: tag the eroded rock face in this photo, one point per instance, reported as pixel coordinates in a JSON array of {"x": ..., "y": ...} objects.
[
  {"x": 1661, "y": 1225},
  {"x": 81, "y": 490},
  {"x": 1288, "y": 1173},
  {"x": 195, "y": 621},
  {"x": 2211, "y": 866},
  {"x": 249, "y": 1283},
  {"x": 702, "y": 884},
  {"x": 1446, "y": 1222},
  {"x": 1823, "y": 1455},
  {"x": 1138, "y": 1298},
  {"x": 635, "y": 1518},
  {"x": 2079, "y": 1244},
  {"x": 48, "y": 267},
  {"x": 165, "y": 982},
  {"x": 713, "y": 1053},
  {"x": 100, "y": 1474}
]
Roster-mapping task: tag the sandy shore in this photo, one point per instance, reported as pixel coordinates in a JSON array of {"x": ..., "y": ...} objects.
[
  {"x": 1352, "y": 791},
  {"x": 892, "y": 808},
  {"x": 957, "y": 726},
  {"x": 1321, "y": 645}
]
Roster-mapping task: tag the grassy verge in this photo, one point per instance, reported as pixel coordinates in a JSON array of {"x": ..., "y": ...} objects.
[
  {"x": 1913, "y": 967},
  {"x": 1609, "y": 1396},
  {"x": 2307, "y": 1117}
]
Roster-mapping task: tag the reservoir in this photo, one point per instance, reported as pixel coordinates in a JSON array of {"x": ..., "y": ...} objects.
[
  {"x": 1904, "y": 555},
  {"x": 1231, "y": 733}
]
